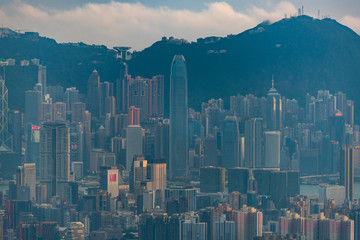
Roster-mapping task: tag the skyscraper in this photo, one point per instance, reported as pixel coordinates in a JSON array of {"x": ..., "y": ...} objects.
[
  {"x": 230, "y": 143},
  {"x": 78, "y": 112},
  {"x": 193, "y": 229},
  {"x": 32, "y": 107},
  {"x": 119, "y": 87},
  {"x": 212, "y": 179},
  {"x": 55, "y": 157},
  {"x": 93, "y": 94},
  {"x": 272, "y": 149},
  {"x": 179, "y": 146},
  {"x": 71, "y": 96},
  {"x": 26, "y": 177},
  {"x": 224, "y": 229},
  {"x": 134, "y": 144},
  {"x": 42, "y": 78},
  {"x": 274, "y": 109},
  {"x": 15, "y": 122},
  {"x": 5, "y": 137},
  {"x": 253, "y": 142},
  {"x": 347, "y": 172}
]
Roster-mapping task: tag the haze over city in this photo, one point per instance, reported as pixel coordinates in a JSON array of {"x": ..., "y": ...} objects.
[{"x": 179, "y": 120}]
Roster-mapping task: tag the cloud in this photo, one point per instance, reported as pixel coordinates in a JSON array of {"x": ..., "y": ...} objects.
[
  {"x": 351, "y": 22},
  {"x": 133, "y": 24}
]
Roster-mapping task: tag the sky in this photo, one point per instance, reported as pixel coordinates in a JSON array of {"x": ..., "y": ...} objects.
[{"x": 139, "y": 24}]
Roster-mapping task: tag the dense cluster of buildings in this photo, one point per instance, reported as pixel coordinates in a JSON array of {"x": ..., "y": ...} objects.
[{"x": 115, "y": 164}]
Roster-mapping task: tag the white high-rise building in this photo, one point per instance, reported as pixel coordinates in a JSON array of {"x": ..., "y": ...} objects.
[{"x": 332, "y": 192}]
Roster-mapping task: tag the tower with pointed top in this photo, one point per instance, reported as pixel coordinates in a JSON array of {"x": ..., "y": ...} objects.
[
  {"x": 5, "y": 136},
  {"x": 179, "y": 146},
  {"x": 93, "y": 94},
  {"x": 274, "y": 109}
]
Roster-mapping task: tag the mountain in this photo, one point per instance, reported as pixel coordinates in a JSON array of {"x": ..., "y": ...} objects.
[
  {"x": 302, "y": 53},
  {"x": 68, "y": 64}
]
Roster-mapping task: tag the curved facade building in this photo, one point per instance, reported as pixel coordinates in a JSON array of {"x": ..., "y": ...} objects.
[{"x": 179, "y": 146}]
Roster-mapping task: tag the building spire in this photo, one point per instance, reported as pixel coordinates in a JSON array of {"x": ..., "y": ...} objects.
[{"x": 272, "y": 81}]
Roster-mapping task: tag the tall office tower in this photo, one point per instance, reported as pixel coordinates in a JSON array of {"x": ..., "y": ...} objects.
[
  {"x": 134, "y": 144},
  {"x": 78, "y": 169},
  {"x": 75, "y": 230},
  {"x": 6, "y": 140},
  {"x": 341, "y": 102},
  {"x": 179, "y": 142},
  {"x": 193, "y": 229},
  {"x": 59, "y": 111},
  {"x": 33, "y": 107},
  {"x": 15, "y": 122},
  {"x": 337, "y": 128},
  {"x": 347, "y": 172},
  {"x": 109, "y": 180},
  {"x": 125, "y": 92},
  {"x": 224, "y": 229},
  {"x": 139, "y": 96},
  {"x": 71, "y": 96},
  {"x": 104, "y": 93},
  {"x": 42, "y": 78},
  {"x": 292, "y": 223},
  {"x": 138, "y": 173},
  {"x": 156, "y": 86},
  {"x": 76, "y": 142},
  {"x": 32, "y": 154},
  {"x": 230, "y": 143},
  {"x": 293, "y": 183},
  {"x": 349, "y": 116},
  {"x": 278, "y": 187},
  {"x": 248, "y": 223},
  {"x": 210, "y": 152},
  {"x": 123, "y": 69},
  {"x": 78, "y": 112},
  {"x": 274, "y": 110},
  {"x": 54, "y": 158},
  {"x": 272, "y": 149},
  {"x": 158, "y": 176},
  {"x": 93, "y": 94},
  {"x": 47, "y": 112},
  {"x": 238, "y": 178},
  {"x": 212, "y": 179},
  {"x": 87, "y": 141},
  {"x": 110, "y": 106},
  {"x": 133, "y": 116},
  {"x": 26, "y": 177},
  {"x": 253, "y": 143},
  {"x": 56, "y": 93}
]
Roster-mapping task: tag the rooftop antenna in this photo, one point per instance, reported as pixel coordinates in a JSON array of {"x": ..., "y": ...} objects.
[
  {"x": 302, "y": 10},
  {"x": 272, "y": 81}
]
